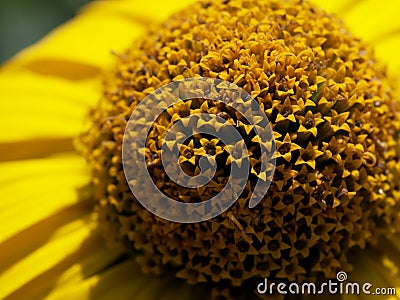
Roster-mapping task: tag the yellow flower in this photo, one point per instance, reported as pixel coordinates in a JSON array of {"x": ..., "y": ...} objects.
[{"x": 50, "y": 245}]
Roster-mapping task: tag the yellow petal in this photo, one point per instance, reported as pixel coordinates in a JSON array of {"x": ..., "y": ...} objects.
[
  {"x": 73, "y": 253},
  {"x": 373, "y": 19},
  {"x": 139, "y": 11},
  {"x": 34, "y": 148},
  {"x": 387, "y": 51},
  {"x": 56, "y": 253},
  {"x": 334, "y": 6},
  {"x": 82, "y": 275},
  {"x": 82, "y": 47},
  {"x": 379, "y": 24},
  {"x": 125, "y": 281},
  {"x": 34, "y": 106},
  {"x": 47, "y": 89},
  {"x": 378, "y": 266},
  {"x": 32, "y": 190}
]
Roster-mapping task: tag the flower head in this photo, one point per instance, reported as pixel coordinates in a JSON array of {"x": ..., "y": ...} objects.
[{"x": 335, "y": 121}]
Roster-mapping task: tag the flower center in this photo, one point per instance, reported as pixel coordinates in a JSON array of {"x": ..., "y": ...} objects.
[{"x": 337, "y": 161}]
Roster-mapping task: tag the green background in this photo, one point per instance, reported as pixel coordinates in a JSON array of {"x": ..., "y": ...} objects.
[{"x": 22, "y": 22}]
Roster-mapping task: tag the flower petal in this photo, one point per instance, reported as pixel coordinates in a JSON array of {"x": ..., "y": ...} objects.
[
  {"x": 35, "y": 106},
  {"x": 63, "y": 243},
  {"x": 125, "y": 281},
  {"x": 379, "y": 266},
  {"x": 147, "y": 13},
  {"x": 48, "y": 87},
  {"x": 32, "y": 190},
  {"x": 47, "y": 235},
  {"x": 74, "y": 252},
  {"x": 335, "y": 6},
  {"x": 82, "y": 47},
  {"x": 372, "y": 19},
  {"x": 387, "y": 51},
  {"x": 37, "y": 148}
]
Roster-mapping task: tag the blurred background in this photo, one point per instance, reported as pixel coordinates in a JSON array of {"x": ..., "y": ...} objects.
[{"x": 23, "y": 22}]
